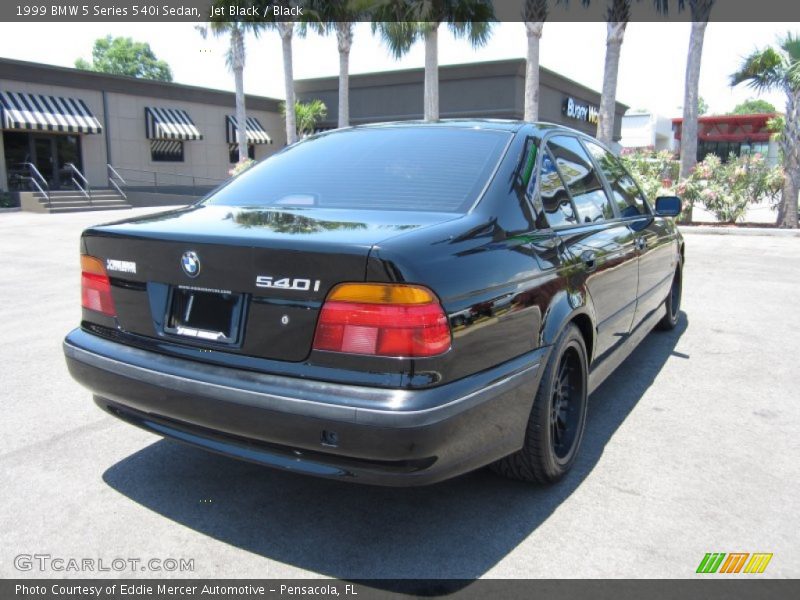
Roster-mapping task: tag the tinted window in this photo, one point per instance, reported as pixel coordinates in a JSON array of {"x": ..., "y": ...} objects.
[
  {"x": 166, "y": 151},
  {"x": 233, "y": 152},
  {"x": 553, "y": 195},
  {"x": 626, "y": 193},
  {"x": 584, "y": 185},
  {"x": 437, "y": 169}
]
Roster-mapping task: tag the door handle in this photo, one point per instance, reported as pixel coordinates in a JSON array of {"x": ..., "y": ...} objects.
[
  {"x": 589, "y": 260},
  {"x": 640, "y": 243}
]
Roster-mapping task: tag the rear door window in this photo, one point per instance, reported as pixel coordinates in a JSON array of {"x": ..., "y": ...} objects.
[
  {"x": 555, "y": 200},
  {"x": 627, "y": 195},
  {"x": 578, "y": 172}
]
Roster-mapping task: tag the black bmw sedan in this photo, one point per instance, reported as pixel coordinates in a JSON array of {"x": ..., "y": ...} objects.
[{"x": 393, "y": 304}]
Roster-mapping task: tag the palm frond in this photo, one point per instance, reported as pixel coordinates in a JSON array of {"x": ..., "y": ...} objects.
[
  {"x": 391, "y": 11},
  {"x": 762, "y": 70},
  {"x": 791, "y": 45},
  {"x": 466, "y": 11},
  {"x": 398, "y": 36},
  {"x": 535, "y": 11},
  {"x": 793, "y": 75},
  {"x": 585, "y": 3},
  {"x": 477, "y": 32},
  {"x": 619, "y": 11},
  {"x": 700, "y": 9},
  {"x": 662, "y": 6}
]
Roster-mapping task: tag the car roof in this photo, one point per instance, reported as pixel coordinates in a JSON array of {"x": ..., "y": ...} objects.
[
  {"x": 498, "y": 124},
  {"x": 511, "y": 125}
]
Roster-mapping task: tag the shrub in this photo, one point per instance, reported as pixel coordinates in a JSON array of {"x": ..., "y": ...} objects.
[
  {"x": 739, "y": 182},
  {"x": 6, "y": 201},
  {"x": 655, "y": 171},
  {"x": 726, "y": 189}
]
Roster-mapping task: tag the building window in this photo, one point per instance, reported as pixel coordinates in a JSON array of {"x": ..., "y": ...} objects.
[
  {"x": 725, "y": 149},
  {"x": 166, "y": 151},
  {"x": 233, "y": 152},
  {"x": 755, "y": 148}
]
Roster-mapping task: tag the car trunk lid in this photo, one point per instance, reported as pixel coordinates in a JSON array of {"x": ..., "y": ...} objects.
[{"x": 242, "y": 280}]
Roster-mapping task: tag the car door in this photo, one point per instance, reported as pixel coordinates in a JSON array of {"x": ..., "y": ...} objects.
[
  {"x": 657, "y": 247},
  {"x": 653, "y": 237},
  {"x": 600, "y": 243}
]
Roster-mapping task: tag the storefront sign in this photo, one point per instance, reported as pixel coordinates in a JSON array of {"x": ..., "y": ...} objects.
[{"x": 580, "y": 111}]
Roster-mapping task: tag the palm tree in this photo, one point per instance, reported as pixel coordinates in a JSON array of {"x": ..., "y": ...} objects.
[
  {"x": 700, "y": 10},
  {"x": 403, "y": 22},
  {"x": 617, "y": 17},
  {"x": 534, "y": 13},
  {"x": 236, "y": 60},
  {"x": 616, "y": 21},
  {"x": 773, "y": 69},
  {"x": 337, "y": 16},
  {"x": 308, "y": 115},
  {"x": 267, "y": 19},
  {"x": 286, "y": 30}
]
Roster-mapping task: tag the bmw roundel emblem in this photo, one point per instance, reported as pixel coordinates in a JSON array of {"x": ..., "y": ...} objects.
[{"x": 190, "y": 263}]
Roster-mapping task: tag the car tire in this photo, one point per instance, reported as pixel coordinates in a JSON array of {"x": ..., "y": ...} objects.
[
  {"x": 558, "y": 417},
  {"x": 673, "y": 303}
]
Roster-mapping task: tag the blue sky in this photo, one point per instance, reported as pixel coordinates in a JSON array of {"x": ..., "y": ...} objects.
[{"x": 651, "y": 76}]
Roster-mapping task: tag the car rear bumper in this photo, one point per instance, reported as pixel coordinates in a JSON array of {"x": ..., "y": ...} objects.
[{"x": 365, "y": 434}]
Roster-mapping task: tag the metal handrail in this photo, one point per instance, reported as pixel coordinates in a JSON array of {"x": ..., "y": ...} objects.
[
  {"x": 39, "y": 187},
  {"x": 156, "y": 173},
  {"x": 161, "y": 180},
  {"x": 88, "y": 190},
  {"x": 35, "y": 174},
  {"x": 112, "y": 174}
]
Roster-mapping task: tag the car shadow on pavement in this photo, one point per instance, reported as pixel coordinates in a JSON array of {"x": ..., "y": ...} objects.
[{"x": 458, "y": 529}]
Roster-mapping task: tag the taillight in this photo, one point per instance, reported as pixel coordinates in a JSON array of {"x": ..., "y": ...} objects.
[
  {"x": 382, "y": 320},
  {"x": 96, "y": 287}
]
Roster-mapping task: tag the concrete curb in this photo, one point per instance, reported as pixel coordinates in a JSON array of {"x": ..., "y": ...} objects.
[
  {"x": 764, "y": 231},
  {"x": 11, "y": 209}
]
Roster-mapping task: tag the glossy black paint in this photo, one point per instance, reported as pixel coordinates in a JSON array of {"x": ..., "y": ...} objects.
[
  {"x": 380, "y": 434},
  {"x": 508, "y": 282}
]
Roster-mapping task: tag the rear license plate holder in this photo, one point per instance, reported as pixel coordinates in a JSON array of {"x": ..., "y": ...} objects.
[{"x": 204, "y": 315}]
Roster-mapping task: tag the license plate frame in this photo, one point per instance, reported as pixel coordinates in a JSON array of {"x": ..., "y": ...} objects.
[{"x": 205, "y": 315}]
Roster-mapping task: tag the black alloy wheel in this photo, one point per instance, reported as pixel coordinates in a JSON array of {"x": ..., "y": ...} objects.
[
  {"x": 566, "y": 402},
  {"x": 672, "y": 304},
  {"x": 558, "y": 417}
]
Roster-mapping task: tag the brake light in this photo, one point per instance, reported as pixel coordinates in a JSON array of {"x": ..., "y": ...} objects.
[
  {"x": 96, "y": 286},
  {"x": 382, "y": 320}
]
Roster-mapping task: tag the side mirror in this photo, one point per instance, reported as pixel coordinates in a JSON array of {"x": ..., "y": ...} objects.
[{"x": 668, "y": 206}]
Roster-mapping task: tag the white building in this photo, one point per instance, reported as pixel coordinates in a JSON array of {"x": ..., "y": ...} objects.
[{"x": 647, "y": 130}]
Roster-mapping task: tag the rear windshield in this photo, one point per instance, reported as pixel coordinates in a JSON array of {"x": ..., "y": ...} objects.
[{"x": 436, "y": 169}]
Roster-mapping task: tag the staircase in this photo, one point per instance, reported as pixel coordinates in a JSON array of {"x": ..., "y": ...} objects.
[{"x": 68, "y": 201}]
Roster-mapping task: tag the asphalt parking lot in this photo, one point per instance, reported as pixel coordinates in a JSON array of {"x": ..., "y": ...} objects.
[{"x": 693, "y": 446}]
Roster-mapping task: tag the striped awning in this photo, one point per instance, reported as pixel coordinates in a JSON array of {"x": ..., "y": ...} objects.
[
  {"x": 256, "y": 134},
  {"x": 37, "y": 112},
  {"x": 169, "y": 124}
]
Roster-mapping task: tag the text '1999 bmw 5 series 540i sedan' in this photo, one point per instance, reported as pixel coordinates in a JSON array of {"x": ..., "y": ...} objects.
[{"x": 392, "y": 304}]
